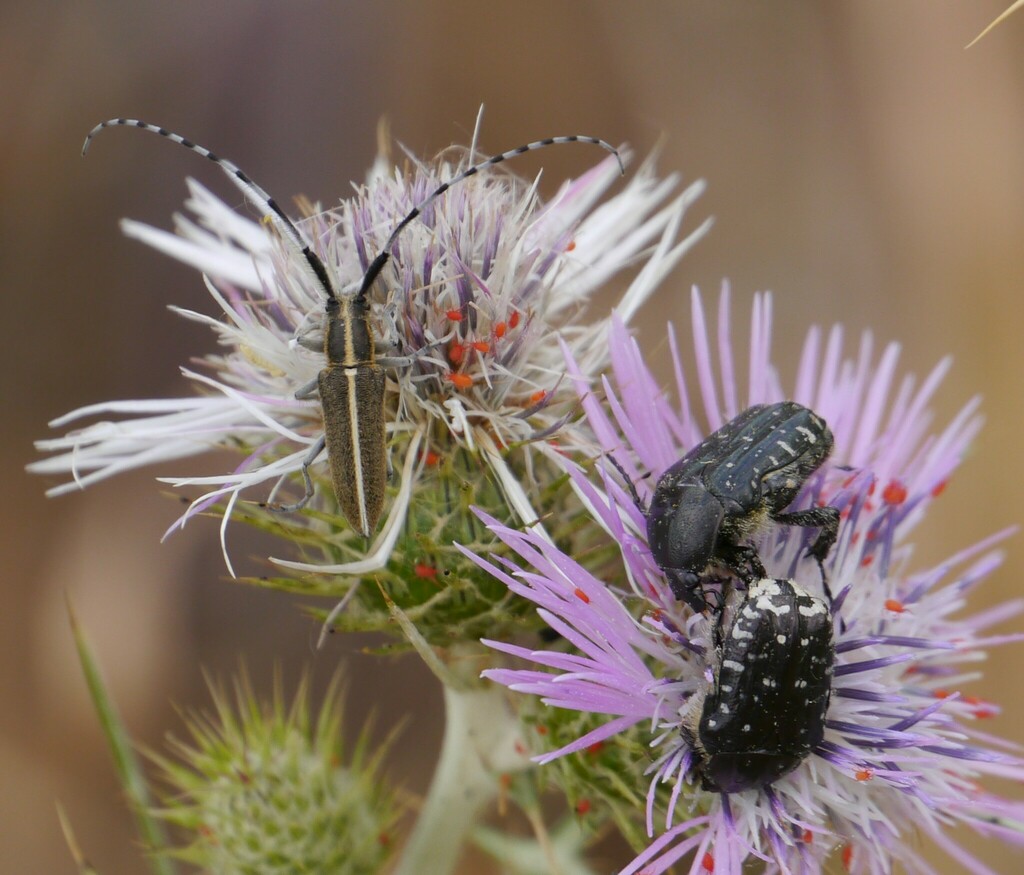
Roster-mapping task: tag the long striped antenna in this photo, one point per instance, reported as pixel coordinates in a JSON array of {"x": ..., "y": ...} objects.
[
  {"x": 250, "y": 189},
  {"x": 287, "y": 227},
  {"x": 377, "y": 265}
]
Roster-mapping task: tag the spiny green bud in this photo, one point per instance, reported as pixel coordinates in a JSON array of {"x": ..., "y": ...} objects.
[
  {"x": 266, "y": 790},
  {"x": 449, "y": 598}
]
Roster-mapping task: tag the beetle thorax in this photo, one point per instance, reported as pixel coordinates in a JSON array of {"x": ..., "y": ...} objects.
[
  {"x": 348, "y": 340},
  {"x": 683, "y": 526}
]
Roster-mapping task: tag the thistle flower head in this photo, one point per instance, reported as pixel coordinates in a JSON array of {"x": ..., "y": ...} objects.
[
  {"x": 273, "y": 790},
  {"x": 469, "y": 302},
  {"x": 901, "y": 751}
]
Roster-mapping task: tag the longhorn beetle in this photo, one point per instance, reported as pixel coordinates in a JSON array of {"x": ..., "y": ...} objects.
[
  {"x": 728, "y": 487},
  {"x": 351, "y": 385}
]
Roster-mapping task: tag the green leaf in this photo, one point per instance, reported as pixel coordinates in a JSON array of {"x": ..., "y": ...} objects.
[{"x": 125, "y": 761}]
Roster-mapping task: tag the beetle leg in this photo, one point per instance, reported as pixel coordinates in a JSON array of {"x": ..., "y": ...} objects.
[
  {"x": 394, "y": 362},
  {"x": 717, "y": 603},
  {"x": 309, "y": 390},
  {"x": 631, "y": 487},
  {"x": 825, "y": 518},
  {"x": 312, "y": 342},
  {"x": 317, "y": 449},
  {"x": 686, "y": 587},
  {"x": 403, "y": 361},
  {"x": 744, "y": 560}
]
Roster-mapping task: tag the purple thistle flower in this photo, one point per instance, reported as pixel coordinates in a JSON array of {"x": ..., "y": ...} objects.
[{"x": 901, "y": 752}]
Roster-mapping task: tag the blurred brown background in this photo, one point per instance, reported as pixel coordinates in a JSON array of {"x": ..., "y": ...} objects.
[{"x": 861, "y": 164}]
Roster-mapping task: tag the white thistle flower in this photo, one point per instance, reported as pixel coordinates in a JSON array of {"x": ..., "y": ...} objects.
[{"x": 476, "y": 292}]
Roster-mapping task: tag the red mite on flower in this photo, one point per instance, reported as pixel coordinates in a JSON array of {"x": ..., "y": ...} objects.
[{"x": 899, "y": 755}]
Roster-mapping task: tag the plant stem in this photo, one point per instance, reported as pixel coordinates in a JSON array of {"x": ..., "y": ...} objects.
[{"x": 480, "y": 742}]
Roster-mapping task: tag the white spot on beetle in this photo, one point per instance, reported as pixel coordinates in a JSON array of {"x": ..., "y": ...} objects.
[
  {"x": 741, "y": 634},
  {"x": 765, "y": 586}
]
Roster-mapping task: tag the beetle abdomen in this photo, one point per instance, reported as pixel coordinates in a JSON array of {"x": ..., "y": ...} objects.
[{"x": 353, "y": 406}]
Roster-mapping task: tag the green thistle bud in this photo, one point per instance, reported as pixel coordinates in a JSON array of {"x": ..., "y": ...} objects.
[{"x": 268, "y": 790}]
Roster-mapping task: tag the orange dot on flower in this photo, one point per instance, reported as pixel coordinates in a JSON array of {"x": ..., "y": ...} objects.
[
  {"x": 537, "y": 397},
  {"x": 895, "y": 606},
  {"x": 938, "y": 489},
  {"x": 499, "y": 329},
  {"x": 384, "y": 839},
  {"x": 867, "y": 560},
  {"x": 894, "y": 493},
  {"x": 571, "y": 246},
  {"x": 427, "y": 572},
  {"x": 581, "y": 595},
  {"x": 481, "y": 346},
  {"x": 542, "y": 729},
  {"x": 513, "y": 320},
  {"x": 583, "y": 806},
  {"x": 460, "y": 381},
  {"x": 454, "y": 315},
  {"x": 985, "y": 713},
  {"x": 942, "y": 694},
  {"x": 808, "y": 837},
  {"x": 847, "y": 857},
  {"x": 456, "y": 352},
  {"x": 708, "y": 863},
  {"x": 432, "y": 458},
  {"x": 595, "y": 748},
  {"x": 864, "y": 775}
]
